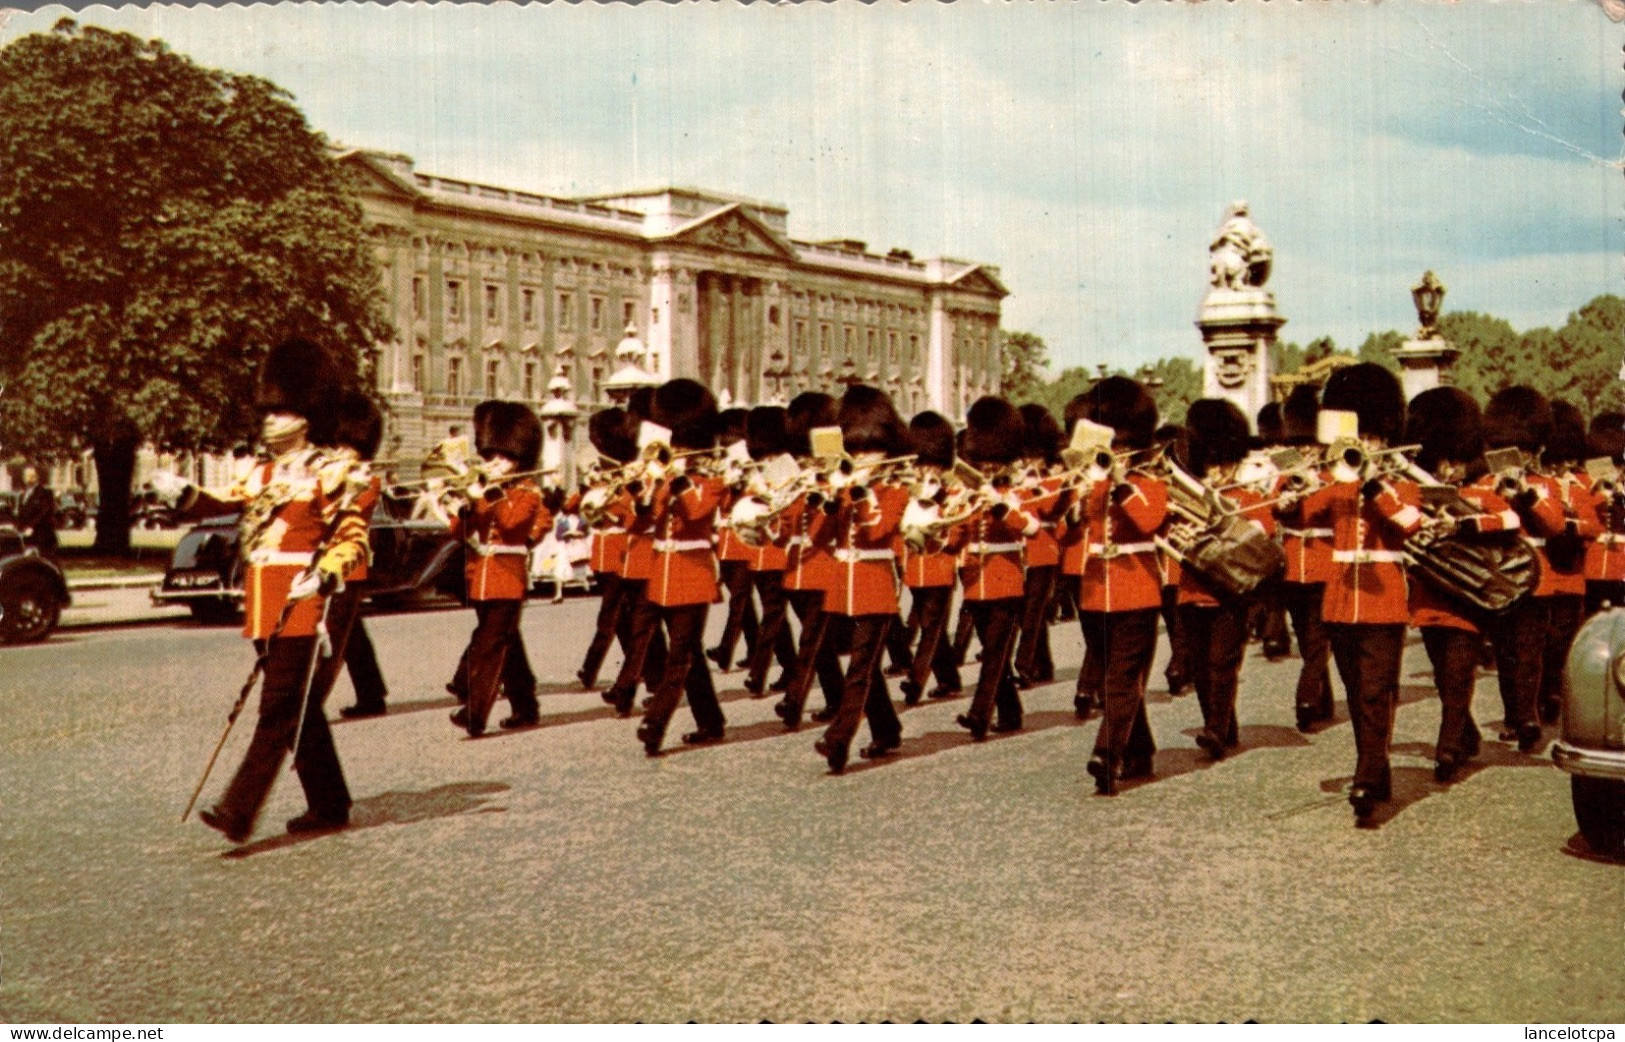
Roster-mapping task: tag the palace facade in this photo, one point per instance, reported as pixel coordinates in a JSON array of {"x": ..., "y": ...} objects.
[{"x": 494, "y": 292}]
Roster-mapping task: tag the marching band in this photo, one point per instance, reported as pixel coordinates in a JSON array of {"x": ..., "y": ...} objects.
[{"x": 1492, "y": 531}]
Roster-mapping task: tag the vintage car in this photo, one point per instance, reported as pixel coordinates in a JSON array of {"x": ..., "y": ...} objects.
[
  {"x": 409, "y": 558},
  {"x": 1592, "y": 749},
  {"x": 33, "y": 591}
]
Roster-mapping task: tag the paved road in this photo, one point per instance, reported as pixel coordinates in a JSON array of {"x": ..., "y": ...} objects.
[{"x": 557, "y": 874}]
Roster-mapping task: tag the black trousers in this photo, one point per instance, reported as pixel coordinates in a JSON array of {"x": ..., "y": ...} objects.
[
  {"x": 1564, "y": 614},
  {"x": 287, "y": 665},
  {"x": 352, "y": 650},
  {"x": 963, "y": 629},
  {"x": 997, "y": 627},
  {"x": 685, "y": 672},
  {"x": 1217, "y": 640},
  {"x": 773, "y": 638},
  {"x": 1367, "y": 658},
  {"x": 1454, "y": 654},
  {"x": 644, "y": 642},
  {"x": 1271, "y": 608},
  {"x": 864, "y": 691},
  {"x": 1302, "y": 602},
  {"x": 736, "y": 579},
  {"x": 1518, "y": 636},
  {"x": 1122, "y": 643},
  {"x": 933, "y": 656},
  {"x": 1178, "y": 671},
  {"x": 496, "y": 662},
  {"x": 1034, "y": 663},
  {"x": 613, "y": 621},
  {"x": 815, "y": 653},
  {"x": 898, "y": 640},
  {"x": 1604, "y": 591}
]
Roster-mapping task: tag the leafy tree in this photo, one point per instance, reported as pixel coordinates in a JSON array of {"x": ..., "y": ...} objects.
[
  {"x": 1380, "y": 348},
  {"x": 1320, "y": 348},
  {"x": 1025, "y": 358},
  {"x": 161, "y": 224}
]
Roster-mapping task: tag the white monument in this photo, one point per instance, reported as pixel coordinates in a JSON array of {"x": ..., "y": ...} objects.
[
  {"x": 558, "y": 415},
  {"x": 1426, "y": 358},
  {"x": 1238, "y": 318}
]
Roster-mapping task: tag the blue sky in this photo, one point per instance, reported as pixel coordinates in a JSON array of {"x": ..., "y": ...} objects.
[{"x": 1089, "y": 149}]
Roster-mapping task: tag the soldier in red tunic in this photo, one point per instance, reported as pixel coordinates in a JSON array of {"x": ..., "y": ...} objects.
[
  {"x": 499, "y": 524},
  {"x": 767, "y": 437},
  {"x": 303, "y": 535},
  {"x": 358, "y": 429},
  {"x": 1113, "y": 554},
  {"x": 607, "y": 430},
  {"x": 1370, "y": 515},
  {"x": 863, "y": 512},
  {"x": 990, "y": 545},
  {"x": 928, "y": 567},
  {"x": 733, "y": 559},
  {"x": 1566, "y": 552},
  {"x": 1308, "y": 552},
  {"x": 1605, "y": 557},
  {"x": 681, "y": 513},
  {"x": 1214, "y": 622},
  {"x": 646, "y": 657},
  {"x": 1041, "y": 455}
]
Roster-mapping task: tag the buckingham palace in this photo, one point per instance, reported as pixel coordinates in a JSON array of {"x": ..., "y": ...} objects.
[{"x": 500, "y": 293}]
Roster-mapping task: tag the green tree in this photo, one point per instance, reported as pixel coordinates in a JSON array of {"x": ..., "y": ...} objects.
[
  {"x": 161, "y": 224},
  {"x": 1380, "y": 348},
  {"x": 1025, "y": 358}
]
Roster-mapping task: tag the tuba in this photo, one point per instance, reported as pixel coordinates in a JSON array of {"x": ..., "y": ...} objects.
[
  {"x": 1210, "y": 536},
  {"x": 1491, "y": 571}
]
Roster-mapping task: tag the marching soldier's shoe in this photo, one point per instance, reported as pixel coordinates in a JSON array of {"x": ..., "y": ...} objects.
[
  {"x": 1364, "y": 802},
  {"x": 236, "y": 831},
  {"x": 1177, "y": 684},
  {"x": 834, "y": 753},
  {"x": 587, "y": 682},
  {"x": 911, "y": 692},
  {"x": 945, "y": 692},
  {"x": 359, "y": 711},
  {"x": 1006, "y": 726},
  {"x": 977, "y": 728},
  {"x": 1444, "y": 769},
  {"x": 875, "y": 750},
  {"x": 621, "y": 700},
  {"x": 1507, "y": 733},
  {"x": 1306, "y": 719},
  {"x": 1100, "y": 769},
  {"x": 514, "y": 723},
  {"x": 715, "y": 655},
  {"x": 755, "y": 690},
  {"x": 460, "y": 718},
  {"x": 1083, "y": 707},
  {"x": 651, "y": 737},
  {"x": 781, "y": 684},
  {"x": 791, "y": 715},
  {"x": 900, "y": 670},
  {"x": 1211, "y": 745},
  {"x": 703, "y": 737},
  {"x": 824, "y": 715},
  {"x": 310, "y": 821},
  {"x": 1134, "y": 769},
  {"x": 1528, "y": 737}
]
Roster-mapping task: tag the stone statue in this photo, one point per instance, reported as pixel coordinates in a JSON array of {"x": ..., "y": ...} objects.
[
  {"x": 1429, "y": 297},
  {"x": 1239, "y": 257}
]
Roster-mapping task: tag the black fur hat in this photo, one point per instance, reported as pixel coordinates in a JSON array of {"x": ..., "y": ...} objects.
[
  {"x": 1217, "y": 433},
  {"x": 639, "y": 406},
  {"x": 1517, "y": 416},
  {"x": 994, "y": 432},
  {"x": 869, "y": 422},
  {"x": 1271, "y": 428},
  {"x": 1568, "y": 441},
  {"x": 766, "y": 432},
  {"x": 611, "y": 434},
  {"x": 807, "y": 410},
  {"x": 933, "y": 439},
  {"x": 509, "y": 428},
  {"x": 1448, "y": 424},
  {"x": 1607, "y": 435},
  {"x": 1300, "y": 415},
  {"x": 1044, "y": 437},
  {"x": 1118, "y": 403},
  {"x": 689, "y": 410},
  {"x": 1373, "y": 394},
  {"x": 358, "y": 424},
  {"x": 300, "y": 377},
  {"x": 731, "y": 425}
]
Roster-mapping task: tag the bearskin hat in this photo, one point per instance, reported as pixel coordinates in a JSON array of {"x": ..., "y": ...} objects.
[
  {"x": 610, "y": 432},
  {"x": 300, "y": 377},
  {"x": 509, "y": 428},
  {"x": 1217, "y": 432},
  {"x": 932, "y": 437},
  {"x": 1175, "y": 440},
  {"x": 1517, "y": 417},
  {"x": 1118, "y": 403},
  {"x": 807, "y": 410},
  {"x": 1608, "y": 435},
  {"x": 767, "y": 433},
  {"x": 1373, "y": 394},
  {"x": 1044, "y": 438},
  {"x": 1448, "y": 424},
  {"x": 358, "y": 424},
  {"x": 639, "y": 406},
  {"x": 1271, "y": 426},
  {"x": 869, "y": 422},
  {"x": 688, "y": 410},
  {"x": 731, "y": 425},
  {"x": 994, "y": 432},
  {"x": 1300, "y": 415},
  {"x": 1568, "y": 441}
]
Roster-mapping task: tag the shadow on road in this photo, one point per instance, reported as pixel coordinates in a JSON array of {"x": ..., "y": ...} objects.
[
  {"x": 1411, "y": 785},
  {"x": 394, "y": 808}
]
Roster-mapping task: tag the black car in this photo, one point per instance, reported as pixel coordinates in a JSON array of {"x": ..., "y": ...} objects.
[
  {"x": 33, "y": 591},
  {"x": 409, "y": 558}
]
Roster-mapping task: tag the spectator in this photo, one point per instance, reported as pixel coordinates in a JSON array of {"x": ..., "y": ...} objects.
[{"x": 36, "y": 513}]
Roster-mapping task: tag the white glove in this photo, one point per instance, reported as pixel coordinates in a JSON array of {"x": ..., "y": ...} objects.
[
  {"x": 308, "y": 583},
  {"x": 171, "y": 488},
  {"x": 497, "y": 467}
]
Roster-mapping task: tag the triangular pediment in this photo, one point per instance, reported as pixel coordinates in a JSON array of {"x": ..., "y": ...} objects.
[
  {"x": 733, "y": 229},
  {"x": 979, "y": 280},
  {"x": 372, "y": 175}
]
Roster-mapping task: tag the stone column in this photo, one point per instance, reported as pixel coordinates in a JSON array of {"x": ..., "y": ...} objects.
[
  {"x": 938, "y": 350},
  {"x": 1425, "y": 364},
  {"x": 1239, "y": 326}
]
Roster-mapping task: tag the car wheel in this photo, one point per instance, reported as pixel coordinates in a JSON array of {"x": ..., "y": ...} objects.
[
  {"x": 213, "y": 613},
  {"x": 29, "y": 611},
  {"x": 1599, "y": 807}
]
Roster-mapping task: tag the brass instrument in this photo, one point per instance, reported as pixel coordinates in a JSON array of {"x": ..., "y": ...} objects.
[{"x": 1211, "y": 536}]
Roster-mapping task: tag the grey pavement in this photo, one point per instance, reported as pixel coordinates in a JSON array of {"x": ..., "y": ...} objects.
[{"x": 557, "y": 874}]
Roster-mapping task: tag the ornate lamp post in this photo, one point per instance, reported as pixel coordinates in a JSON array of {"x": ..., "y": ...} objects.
[
  {"x": 1426, "y": 358},
  {"x": 630, "y": 374},
  {"x": 1429, "y": 297},
  {"x": 776, "y": 373}
]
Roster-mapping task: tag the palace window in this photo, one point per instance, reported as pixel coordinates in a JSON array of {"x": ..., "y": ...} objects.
[
  {"x": 454, "y": 377},
  {"x": 627, "y": 309},
  {"x": 530, "y": 381},
  {"x": 891, "y": 345},
  {"x": 798, "y": 342},
  {"x": 597, "y": 381},
  {"x": 566, "y": 311},
  {"x": 848, "y": 341},
  {"x": 490, "y": 302},
  {"x": 527, "y": 306},
  {"x": 491, "y": 378},
  {"x": 773, "y": 315},
  {"x": 914, "y": 346},
  {"x": 454, "y": 300},
  {"x": 824, "y": 345},
  {"x": 597, "y": 313},
  {"x": 417, "y": 373},
  {"x": 870, "y": 340},
  {"x": 417, "y": 298}
]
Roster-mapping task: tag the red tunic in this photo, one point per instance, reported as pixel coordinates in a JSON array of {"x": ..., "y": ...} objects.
[
  {"x": 1433, "y": 607},
  {"x": 1366, "y": 583},
  {"x": 1308, "y": 548},
  {"x": 1046, "y": 503},
  {"x": 860, "y": 536},
  {"x": 1193, "y": 589},
  {"x": 1605, "y": 555},
  {"x": 808, "y": 564},
  {"x": 1583, "y": 520},
  {"x": 729, "y": 546},
  {"x": 684, "y": 570},
  {"x": 498, "y": 536},
  {"x": 990, "y": 554},
  {"x": 1113, "y": 549},
  {"x": 1545, "y": 517}
]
